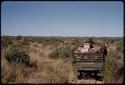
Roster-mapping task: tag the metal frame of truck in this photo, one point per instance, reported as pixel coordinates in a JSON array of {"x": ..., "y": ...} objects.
[{"x": 92, "y": 63}]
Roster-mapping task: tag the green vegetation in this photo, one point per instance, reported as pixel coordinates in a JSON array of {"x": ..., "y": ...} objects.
[
  {"x": 108, "y": 71},
  {"x": 55, "y": 54},
  {"x": 114, "y": 61},
  {"x": 61, "y": 53},
  {"x": 17, "y": 57},
  {"x": 46, "y": 59},
  {"x": 119, "y": 45}
]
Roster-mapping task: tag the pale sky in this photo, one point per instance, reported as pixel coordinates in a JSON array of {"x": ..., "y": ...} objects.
[{"x": 59, "y": 18}]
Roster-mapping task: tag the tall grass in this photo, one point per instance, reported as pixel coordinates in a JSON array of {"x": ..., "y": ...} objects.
[{"x": 45, "y": 66}]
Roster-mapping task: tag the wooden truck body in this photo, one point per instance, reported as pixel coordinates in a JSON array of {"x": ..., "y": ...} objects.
[{"x": 89, "y": 59}]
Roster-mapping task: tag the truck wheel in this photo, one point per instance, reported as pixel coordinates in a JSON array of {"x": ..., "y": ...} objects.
[{"x": 101, "y": 78}]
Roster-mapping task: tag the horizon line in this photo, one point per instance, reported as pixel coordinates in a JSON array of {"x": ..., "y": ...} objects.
[{"x": 55, "y": 36}]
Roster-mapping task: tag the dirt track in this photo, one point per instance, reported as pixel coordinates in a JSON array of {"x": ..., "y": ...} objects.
[{"x": 88, "y": 82}]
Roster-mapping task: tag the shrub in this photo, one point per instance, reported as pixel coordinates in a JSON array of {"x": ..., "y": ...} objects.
[
  {"x": 113, "y": 63},
  {"x": 16, "y": 56},
  {"x": 55, "y": 54},
  {"x": 119, "y": 45},
  {"x": 5, "y": 42},
  {"x": 66, "y": 53},
  {"x": 61, "y": 53},
  {"x": 108, "y": 71}
]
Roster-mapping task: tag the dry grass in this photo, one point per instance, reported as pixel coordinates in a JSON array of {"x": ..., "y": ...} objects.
[
  {"x": 53, "y": 71},
  {"x": 42, "y": 69},
  {"x": 4, "y": 69},
  {"x": 46, "y": 70}
]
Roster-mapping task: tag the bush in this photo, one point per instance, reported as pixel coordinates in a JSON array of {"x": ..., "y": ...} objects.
[
  {"x": 55, "y": 54},
  {"x": 108, "y": 71},
  {"x": 16, "y": 56},
  {"x": 66, "y": 53},
  {"x": 61, "y": 53},
  {"x": 5, "y": 42},
  {"x": 113, "y": 63},
  {"x": 119, "y": 45}
]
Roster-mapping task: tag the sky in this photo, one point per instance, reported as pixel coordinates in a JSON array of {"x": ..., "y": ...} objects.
[{"x": 59, "y": 18}]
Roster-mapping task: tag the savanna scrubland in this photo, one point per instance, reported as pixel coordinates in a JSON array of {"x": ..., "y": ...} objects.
[{"x": 49, "y": 59}]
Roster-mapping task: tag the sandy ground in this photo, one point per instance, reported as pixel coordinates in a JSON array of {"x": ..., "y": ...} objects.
[{"x": 88, "y": 82}]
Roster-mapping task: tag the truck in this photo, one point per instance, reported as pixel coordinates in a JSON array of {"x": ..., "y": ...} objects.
[{"x": 88, "y": 60}]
